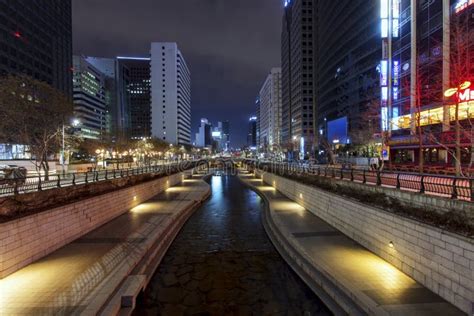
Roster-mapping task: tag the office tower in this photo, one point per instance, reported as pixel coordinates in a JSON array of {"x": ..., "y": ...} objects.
[
  {"x": 224, "y": 128},
  {"x": 204, "y": 135},
  {"x": 89, "y": 86},
  {"x": 171, "y": 94},
  {"x": 298, "y": 82},
  {"x": 117, "y": 95},
  {"x": 257, "y": 115},
  {"x": 36, "y": 40},
  {"x": 348, "y": 52},
  {"x": 252, "y": 133},
  {"x": 139, "y": 89},
  {"x": 270, "y": 111}
]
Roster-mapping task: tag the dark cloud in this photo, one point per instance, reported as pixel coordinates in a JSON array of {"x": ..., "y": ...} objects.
[{"x": 230, "y": 45}]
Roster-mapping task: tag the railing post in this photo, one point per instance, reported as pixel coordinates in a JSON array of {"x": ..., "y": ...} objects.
[
  {"x": 74, "y": 179},
  {"x": 39, "y": 183},
  {"x": 422, "y": 184},
  {"x": 364, "y": 179},
  {"x": 454, "y": 195},
  {"x": 97, "y": 176},
  {"x": 379, "y": 178},
  {"x": 333, "y": 173},
  {"x": 59, "y": 181},
  {"x": 106, "y": 174},
  {"x": 87, "y": 180},
  {"x": 398, "y": 181},
  {"x": 352, "y": 174},
  {"x": 342, "y": 173}
]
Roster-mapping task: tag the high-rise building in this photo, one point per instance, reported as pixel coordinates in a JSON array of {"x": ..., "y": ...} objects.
[
  {"x": 257, "y": 115},
  {"x": 139, "y": 89},
  {"x": 204, "y": 136},
  {"x": 252, "y": 133},
  {"x": 224, "y": 128},
  {"x": 270, "y": 111},
  {"x": 348, "y": 52},
  {"x": 117, "y": 95},
  {"x": 171, "y": 94},
  {"x": 428, "y": 48},
  {"x": 36, "y": 40},
  {"x": 298, "y": 40},
  {"x": 89, "y": 88}
]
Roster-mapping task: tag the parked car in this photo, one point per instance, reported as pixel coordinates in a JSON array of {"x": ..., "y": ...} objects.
[{"x": 11, "y": 174}]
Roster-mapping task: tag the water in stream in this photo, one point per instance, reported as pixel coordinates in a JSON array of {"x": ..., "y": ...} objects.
[{"x": 222, "y": 263}]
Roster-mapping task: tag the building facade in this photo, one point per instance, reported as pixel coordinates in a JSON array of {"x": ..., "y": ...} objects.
[
  {"x": 89, "y": 95},
  {"x": 36, "y": 40},
  {"x": 252, "y": 133},
  {"x": 204, "y": 135},
  {"x": 298, "y": 40},
  {"x": 270, "y": 122},
  {"x": 117, "y": 96},
  {"x": 429, "y": 53},
  {"x": 139, "y": 90},
  {"x": 171, "y": 94},
  {"x": 348, "y": 53}
]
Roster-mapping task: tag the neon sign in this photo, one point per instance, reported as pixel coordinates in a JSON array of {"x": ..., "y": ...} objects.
[
  {"x": 463, "y": 93},
  {"x": 462, "y": 5}
]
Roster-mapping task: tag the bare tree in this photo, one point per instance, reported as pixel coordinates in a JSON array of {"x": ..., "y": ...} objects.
[{"x": 32, "y": 113}]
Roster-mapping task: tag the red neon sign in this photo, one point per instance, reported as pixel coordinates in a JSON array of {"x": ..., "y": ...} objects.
[{"x": 463, "y": 93}]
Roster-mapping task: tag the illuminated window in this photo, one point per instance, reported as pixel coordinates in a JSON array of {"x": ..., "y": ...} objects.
[
  {"x": 384, "y": 9},
  {"x": 384, "y": 73},
  {"x": 395, "y": 28},
  {"x": 384, "y": 28}
]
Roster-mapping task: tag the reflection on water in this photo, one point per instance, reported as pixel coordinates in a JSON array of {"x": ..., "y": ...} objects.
[{"x": 223, "y": 263}]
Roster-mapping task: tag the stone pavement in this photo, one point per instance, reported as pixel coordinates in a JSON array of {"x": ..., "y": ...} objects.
[
  {"x": 372, "y": 284},
  {"x": 81, "y": 276}
]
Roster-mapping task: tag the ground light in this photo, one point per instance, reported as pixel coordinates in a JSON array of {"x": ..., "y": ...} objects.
[{"x": 390, "y": 244}]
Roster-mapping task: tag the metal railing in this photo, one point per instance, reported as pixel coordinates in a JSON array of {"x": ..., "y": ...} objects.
[
  {"x": 439, "y": 185},
  {"x": 58, "y": 180}
]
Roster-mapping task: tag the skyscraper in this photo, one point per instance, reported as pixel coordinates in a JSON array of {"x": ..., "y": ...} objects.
[
  {"x": 171, "y": 94},
  {"x": 36, "y": 40},
  {"x": 139, "y": 89},
  {"x": 252, "y": 133},
  {"x": 298, "y": 82},
  {"x": 204, "y": 135},
  {"x": 117, "y": 95},
  {"x": 89, "y": 87},
  {"x": 348, "y": 53},
  {"x": 270, "y": 111}
]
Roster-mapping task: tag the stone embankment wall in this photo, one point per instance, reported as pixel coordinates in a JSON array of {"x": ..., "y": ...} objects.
[
  {"x": 29, "y": 238},
  {"x": 440, "y": 260}
]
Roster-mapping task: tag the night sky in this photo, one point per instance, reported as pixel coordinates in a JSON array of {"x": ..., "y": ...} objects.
[{"x": 230, "y": 46}]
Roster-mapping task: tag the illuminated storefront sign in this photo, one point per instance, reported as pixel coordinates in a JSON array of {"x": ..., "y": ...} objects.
[
  {"x": 384, "y": 118},
  {"x": 462, "y": 5},
  {"x": 384, "y": 73},
  {"x": 435, "y": 116},
  {"x": 396, "y": 72}
]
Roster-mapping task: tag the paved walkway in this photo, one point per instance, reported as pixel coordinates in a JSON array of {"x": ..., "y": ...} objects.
[
  {"x": 376, "y": 285},
  {"x": 80, "y": 277}
]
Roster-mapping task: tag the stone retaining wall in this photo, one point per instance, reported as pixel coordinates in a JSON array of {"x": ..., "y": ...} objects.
[
  {"x": 440, "y": 260},
  {"x": 30, "y": 238}
]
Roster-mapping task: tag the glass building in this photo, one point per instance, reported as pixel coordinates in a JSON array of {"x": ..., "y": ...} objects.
[{"x": 36, "y": 40}]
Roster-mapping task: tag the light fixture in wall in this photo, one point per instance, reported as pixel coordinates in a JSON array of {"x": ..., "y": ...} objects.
[
  {"x": 134, "y": 197},
  {"x": 390, "y": 244},
  {"x": 301, "y": 195}
]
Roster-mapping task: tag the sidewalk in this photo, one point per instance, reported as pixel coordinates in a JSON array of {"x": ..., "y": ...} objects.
[
  {"x": 81, "y": 277},
  {"x": 348, "y": 273}
]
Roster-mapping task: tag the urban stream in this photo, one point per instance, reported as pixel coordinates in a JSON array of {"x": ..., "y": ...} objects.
[{"x": 223, "y": 263}]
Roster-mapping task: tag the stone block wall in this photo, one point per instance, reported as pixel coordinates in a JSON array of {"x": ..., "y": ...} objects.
[
  {"x": 440, "y": 260},
  {"x": 30, "y": 238}
]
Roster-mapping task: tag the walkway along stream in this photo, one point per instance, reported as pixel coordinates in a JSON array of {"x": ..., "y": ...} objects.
[{"x": 222, "y": 263}]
